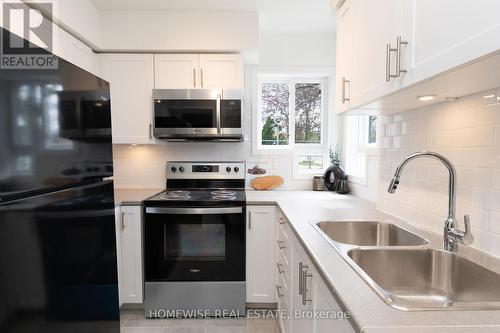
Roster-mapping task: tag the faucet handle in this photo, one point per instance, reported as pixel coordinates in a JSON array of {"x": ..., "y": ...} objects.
[{"x": 468, "y": 238}]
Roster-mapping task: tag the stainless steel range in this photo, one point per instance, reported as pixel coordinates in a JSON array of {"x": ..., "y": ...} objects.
[{"x": 194, "y": 239}]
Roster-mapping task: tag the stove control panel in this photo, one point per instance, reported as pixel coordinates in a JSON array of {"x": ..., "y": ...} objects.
[{"x": 206, "y": 170}]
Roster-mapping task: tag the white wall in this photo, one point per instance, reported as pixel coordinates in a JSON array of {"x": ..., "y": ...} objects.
[
  {"x": 144, "y": 166},
  {"x": 467, "y": 131},
  {"x": 178, "y": 31}
]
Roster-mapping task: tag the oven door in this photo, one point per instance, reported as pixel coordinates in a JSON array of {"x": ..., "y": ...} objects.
[
  {"x": 195, "y": 244},
  {"x": 185, "y": 113}
]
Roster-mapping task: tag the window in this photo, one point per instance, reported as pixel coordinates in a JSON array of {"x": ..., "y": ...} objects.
[
  {"x": 360, "y": 140},
  {"x": 290, "y": 113},
  {"x": 372, "y": 130}
]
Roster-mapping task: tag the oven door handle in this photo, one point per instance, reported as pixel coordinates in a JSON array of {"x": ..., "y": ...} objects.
[{"x": 193, "y": 211}]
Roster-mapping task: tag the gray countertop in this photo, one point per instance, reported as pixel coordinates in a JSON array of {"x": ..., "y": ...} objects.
[
  {"x": 369, "y": 313},
  {"x": 133, "y": 197}
]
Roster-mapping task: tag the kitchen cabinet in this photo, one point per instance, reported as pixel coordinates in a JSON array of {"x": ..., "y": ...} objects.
[
  {"x": 301, "y": 290},
  {"x": 198, "y": 71},
  {"x": 221, "y": 71},
  {"x": 377, "y": 25},
  {"x": 129, "y": 253},
  {"x": 260, "y": 259},
  {"x": 131, "y": 80},
  {"x": 385, "y": 48},
  {"x": 344, "y": 55},
  {"x": 176, "y": 71},
  {"x": 450, "y": 34}
]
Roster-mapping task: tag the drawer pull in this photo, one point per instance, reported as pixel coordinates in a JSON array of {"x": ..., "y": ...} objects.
[
  {"x": 278, "y": 266},
  {"x": 281, "y": 245},
  {"x": 278, "y": 291}
]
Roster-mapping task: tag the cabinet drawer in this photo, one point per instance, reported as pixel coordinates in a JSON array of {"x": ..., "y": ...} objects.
[{"x": 282, "y": 269}]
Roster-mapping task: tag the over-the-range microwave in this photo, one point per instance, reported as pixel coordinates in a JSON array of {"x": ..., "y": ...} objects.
[{"x": 197, "y": 114}]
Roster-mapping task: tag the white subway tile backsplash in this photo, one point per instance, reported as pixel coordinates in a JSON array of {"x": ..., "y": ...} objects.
[
  {"x": 466, "y": 131},
  {"x": 467, "y": 137}
]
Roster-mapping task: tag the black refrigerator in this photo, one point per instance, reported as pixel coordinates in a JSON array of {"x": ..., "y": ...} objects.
[{"x": 58, "y": 269}]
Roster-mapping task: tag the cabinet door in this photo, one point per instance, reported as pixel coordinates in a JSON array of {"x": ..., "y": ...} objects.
[
  {"x": 323, "y": 301},
  {"x": 131, "y": 80},
  {"x": 130, "y": 256},
  {"x": 302, "y": 292},
  {"x": 377, "y": 23},
  {"x": 260, "y": 255},
  {"x": 344, "y": 55},
  {"x": 176, "y": 71},
  {"x": 451, "y": 33},
  {"x": 223, "y": 71}
]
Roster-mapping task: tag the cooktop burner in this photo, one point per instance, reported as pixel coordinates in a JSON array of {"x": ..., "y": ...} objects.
[
  {"x": 175, "y": 195},
  {"x": 197, "y": 197},
  {"x": 202, "y": 184}
]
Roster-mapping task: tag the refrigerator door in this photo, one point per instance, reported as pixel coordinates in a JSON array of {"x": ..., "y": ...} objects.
[
  {"x": 55, "y": 129},
  {"x": 58, "y": 262}
]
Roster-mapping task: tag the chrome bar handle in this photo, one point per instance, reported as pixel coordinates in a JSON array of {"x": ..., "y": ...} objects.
[
  {"x": 150, "y": 130},
  {"x": 278, "y": 266},
  {"x": 399, "y": 43},
  {"x": 388, "y": 50},
  {"x": 388, "y": 62},
  {"x": 201, "y": 74},
  {"x": 122, "y": 222},
  {"x": 305, "y": 276},
  {"x": 194, "y": 77},
  {"x": 280, "y": 244},
  {"x": 344, "y": 98},
  {"x": 278, "y": 289},
  {"x": 301, "y": 284}
]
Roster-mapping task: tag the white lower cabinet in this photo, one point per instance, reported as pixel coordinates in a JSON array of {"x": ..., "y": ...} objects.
[
  {"x": 129, "y": 252},
  {"x": 300, "y": 289},
  {"x": 260, "y": 260}
]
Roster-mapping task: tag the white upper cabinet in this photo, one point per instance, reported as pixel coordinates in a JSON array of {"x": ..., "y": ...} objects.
[
  {"x": 176, "y": 71},
  {"x": 344, "y": 55},
  {"x": 397, "y": 45},
  {"x": 377, "y": 24},
  {"x": 223, "y": 71},
  {"x": 131, "y": 80},
  {"x": 448, "y": 33},
  {"x": 198, "y": 71}
]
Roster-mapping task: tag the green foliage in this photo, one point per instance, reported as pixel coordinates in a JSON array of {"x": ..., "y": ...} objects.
[{"x": 336, "y": 156}]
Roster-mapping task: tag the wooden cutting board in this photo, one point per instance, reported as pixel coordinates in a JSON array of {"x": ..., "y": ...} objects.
[{"x": 267, "y": 182}]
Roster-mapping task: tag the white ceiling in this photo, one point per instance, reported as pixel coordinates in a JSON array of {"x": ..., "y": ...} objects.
[{"x": 274, "y": 15}]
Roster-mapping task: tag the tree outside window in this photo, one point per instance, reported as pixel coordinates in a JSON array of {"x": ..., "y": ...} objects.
[{"x": 278, "y": 125}]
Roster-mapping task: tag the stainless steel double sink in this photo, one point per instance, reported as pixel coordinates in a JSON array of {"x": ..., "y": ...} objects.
[{"x": 408, "y": 275}]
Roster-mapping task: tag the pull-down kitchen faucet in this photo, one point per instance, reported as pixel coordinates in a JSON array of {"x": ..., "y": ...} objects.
[{"x": 452, "y": 235}]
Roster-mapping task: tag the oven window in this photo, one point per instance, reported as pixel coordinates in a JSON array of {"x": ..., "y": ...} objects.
[{"x": 187, "y": 242}]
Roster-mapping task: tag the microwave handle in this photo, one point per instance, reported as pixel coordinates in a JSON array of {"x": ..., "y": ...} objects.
[
  {"x": 219, "y": 131},
  {"x": 193, "y": 211}
]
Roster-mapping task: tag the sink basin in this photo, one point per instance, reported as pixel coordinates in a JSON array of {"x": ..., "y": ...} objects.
[
  {"x": 427, "y": 279},
  {"x": 369, "y": 233}
]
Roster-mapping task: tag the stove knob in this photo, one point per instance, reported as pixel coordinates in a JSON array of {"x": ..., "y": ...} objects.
[
  {"x": 173, "y": 169},
  {"x": 181, "y": 169},
  {"x": 228, "y": 169},
  {"x": 236, "y": 169}
]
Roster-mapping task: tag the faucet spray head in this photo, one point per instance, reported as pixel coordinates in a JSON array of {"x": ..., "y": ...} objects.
[{"x": 393, "y": 185}]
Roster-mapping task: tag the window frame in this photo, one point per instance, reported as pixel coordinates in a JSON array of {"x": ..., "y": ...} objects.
[
  {"x": 291, "y": 80},
  {"x": 363, "y": 148}
]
